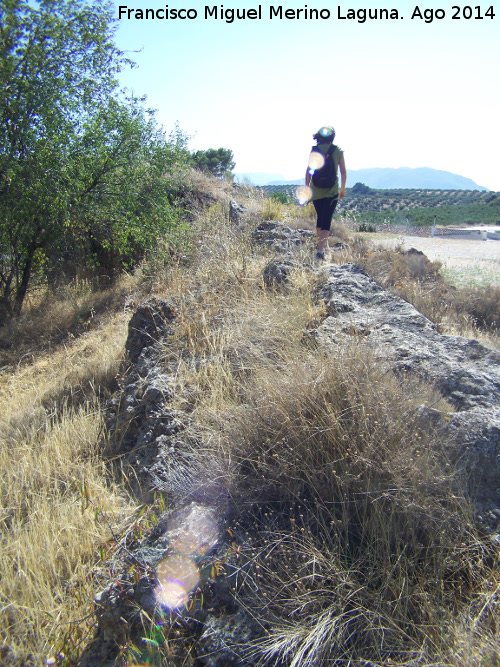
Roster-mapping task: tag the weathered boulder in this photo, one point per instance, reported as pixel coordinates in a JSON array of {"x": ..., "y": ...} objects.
[
  {"x": 226, "y": 638},
  {"x": 150, "y": 322},
  {"x": 236, "y": 212},
  {"x": 279, "y": 236},
  {"x": 465, "y": 371},
  {"x": 339, "y": 245},
  {"x": 140, "y": 417},
  {"x": 157, "y": 578},
  {"x": 276, "y": 274}
]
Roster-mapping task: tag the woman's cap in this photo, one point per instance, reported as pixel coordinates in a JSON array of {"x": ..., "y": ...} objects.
[{"x": 325, "y": 132}]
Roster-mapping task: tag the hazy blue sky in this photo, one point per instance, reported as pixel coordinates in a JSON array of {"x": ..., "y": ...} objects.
[{"x": 400, "y": 93}]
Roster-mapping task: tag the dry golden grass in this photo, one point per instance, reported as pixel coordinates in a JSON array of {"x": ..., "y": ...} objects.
[
  {"x": 359, "y": 540},
  {"x": 50, "y": 440},
  {"x": 359, "y": 537},
  {"x": 52, "y": 319},
  {"x": 58, "y": 500},
  {"x": 48, "y": 544}
]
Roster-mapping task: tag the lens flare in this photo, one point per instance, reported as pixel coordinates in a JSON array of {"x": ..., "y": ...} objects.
[
  {"x": 192, "y": 531},
  {"x": 176, "y": 577},
  {"x": 316, "y": 161},
  {"x": 303, "y": 194},
  {"x": 211, "y": 494},
  {"x": 326, "y": 131}
]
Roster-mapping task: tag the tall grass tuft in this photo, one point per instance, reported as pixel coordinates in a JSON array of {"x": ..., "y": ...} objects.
[
  {"x": 55, "y": 489},
  {"x": 361, "y": 541}
]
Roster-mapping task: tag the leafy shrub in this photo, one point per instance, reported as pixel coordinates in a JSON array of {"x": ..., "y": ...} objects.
[
  {"x": 281, "y": 196},
  {"x": 272, "y": 209},
  {"x": 360, "y": 189},
  {"x": 89, "y": 176}
]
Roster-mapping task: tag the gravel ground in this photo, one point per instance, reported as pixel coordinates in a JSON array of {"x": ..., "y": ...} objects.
[{"x": 465, "y": 262}]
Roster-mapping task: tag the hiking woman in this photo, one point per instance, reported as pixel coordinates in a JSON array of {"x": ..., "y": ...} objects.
[{"x": 322, "y": 177}]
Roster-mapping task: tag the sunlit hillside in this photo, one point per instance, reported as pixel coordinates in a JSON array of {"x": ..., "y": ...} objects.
[
  {"x": 219, "y": 447},
  {"x": 378, "y": 577}
]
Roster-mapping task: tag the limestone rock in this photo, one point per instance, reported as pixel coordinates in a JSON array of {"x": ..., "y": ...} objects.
[
  {"x": 276, "y": 273},
  {"x": 236, "y": 212},
  {"x": 465, "y": 371},
  {"x": 150, "y": 322},
  {"x": 279, "y": 236},
  {"x": 226, "y": 638},
  {"x": 339, "y": 246}
]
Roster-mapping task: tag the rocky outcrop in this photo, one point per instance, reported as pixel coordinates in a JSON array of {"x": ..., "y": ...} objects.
[
  {"x": 139, "y": 417},
  {"x": 466, "y": 372},
  {"x": 170, "y": 577},
  {"x": 179, "y": 564},
  {"x": 236, "y": 212},
  {"x": 149, "y": 324},
  {"x": 280, "y": 237},
  {"x": 276, "y": 274}
]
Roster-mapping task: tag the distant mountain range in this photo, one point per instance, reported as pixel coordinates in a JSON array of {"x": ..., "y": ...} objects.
[{"x": 381, "y": 178}]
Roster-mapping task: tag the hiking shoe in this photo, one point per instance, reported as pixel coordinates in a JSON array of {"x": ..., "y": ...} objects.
[{"x": 320, "y": 254}]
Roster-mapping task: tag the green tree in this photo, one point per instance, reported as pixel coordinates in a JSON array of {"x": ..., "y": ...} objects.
[
  {"x": 116, "y": 200},
  {"x": 82, "y": 168},
  {"x": 360, "y": 189},
  {"x": 217, "y": 161}
]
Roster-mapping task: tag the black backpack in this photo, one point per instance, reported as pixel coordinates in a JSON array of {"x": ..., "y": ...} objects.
[{"x": 327, "y": 176}]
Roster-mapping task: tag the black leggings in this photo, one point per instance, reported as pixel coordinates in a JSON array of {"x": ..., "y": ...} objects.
[{"x": 325, "y": 208}]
